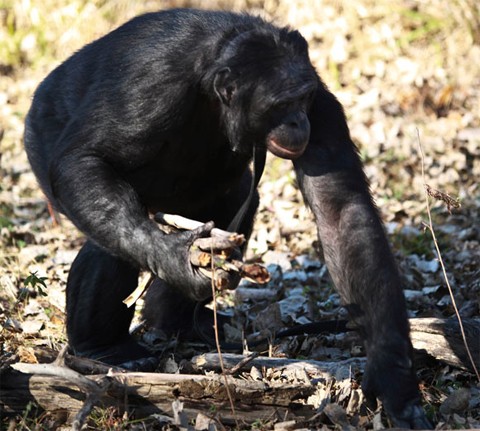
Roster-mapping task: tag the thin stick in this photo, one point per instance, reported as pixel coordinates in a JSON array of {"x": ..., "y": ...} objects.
[
  {"x": 243, "y": 363},
  {"x": 184, "y": 223},
  {"x": 429, "y": 226},
  {"x": 219, "y": 349}
]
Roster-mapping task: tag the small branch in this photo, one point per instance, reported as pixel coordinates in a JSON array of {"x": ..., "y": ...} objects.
[
  {"x": 219, "y": 277},
  {"x": 216, "y": 251},
  {"x": 211, "y": 362},
  {"x": 187, "y": 224},
  {"x": 243, "y": 363},
  {"x": 251, "y": 271},
  {"x": 131, "y": 299},
  {"x": 217, "y": 343},
  {"x": 82, "y": 382}
]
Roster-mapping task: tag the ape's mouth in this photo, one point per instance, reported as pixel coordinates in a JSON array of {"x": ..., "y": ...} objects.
[{"x": 285, "y": 152}]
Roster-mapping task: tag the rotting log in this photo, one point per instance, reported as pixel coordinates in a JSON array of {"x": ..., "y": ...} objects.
[{"x": 148, "y": 393}]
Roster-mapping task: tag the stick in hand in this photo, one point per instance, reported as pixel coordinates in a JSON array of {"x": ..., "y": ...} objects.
[
  {"x": 219, "y": 247},
  {"x": 222, "y": 244}
]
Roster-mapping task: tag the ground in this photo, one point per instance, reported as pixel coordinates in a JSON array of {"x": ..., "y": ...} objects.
[{"x": 406, "y": 73}]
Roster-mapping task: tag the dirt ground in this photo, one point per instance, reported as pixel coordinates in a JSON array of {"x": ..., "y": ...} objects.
[{"x": 405, "y": 71}]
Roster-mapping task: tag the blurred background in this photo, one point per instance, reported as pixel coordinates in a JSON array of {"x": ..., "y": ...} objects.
[
  {"x": 405, "y": 70},
  {"x": 396, "y": 65}
]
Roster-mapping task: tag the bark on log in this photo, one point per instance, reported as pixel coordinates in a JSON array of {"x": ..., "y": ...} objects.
[
  {"x": 337, "y": 369},
  {"x": 148, "y": 393}
]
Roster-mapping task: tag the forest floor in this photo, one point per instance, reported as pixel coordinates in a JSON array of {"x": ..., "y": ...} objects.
[{"x": 406, "y": 73}]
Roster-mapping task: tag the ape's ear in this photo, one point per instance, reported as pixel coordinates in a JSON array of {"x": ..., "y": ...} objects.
[{"x": 224, "y": 85}]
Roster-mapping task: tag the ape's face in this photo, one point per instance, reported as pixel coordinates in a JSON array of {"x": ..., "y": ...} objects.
[
  {"x": 267, "y": 96},
  {"x": 288, "y": 126}
]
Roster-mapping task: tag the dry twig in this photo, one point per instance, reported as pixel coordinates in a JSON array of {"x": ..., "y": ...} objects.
[
  {"x": 147, "y": 280},
  {"x": 214, "y": 251},
  {"x": 219, "y": 350},
  {"x": 217, "y": 251},
  {"x": 184, "y": 223},
  {"x": 429, "y": 226}
]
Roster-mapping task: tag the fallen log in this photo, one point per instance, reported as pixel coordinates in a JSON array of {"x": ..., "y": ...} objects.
[
  {"x": 442, "y": 339},
  {"x": 149, "y": 393}
]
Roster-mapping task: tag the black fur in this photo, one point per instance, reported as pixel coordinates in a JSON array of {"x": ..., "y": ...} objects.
[{"x": 162, "y": 114}]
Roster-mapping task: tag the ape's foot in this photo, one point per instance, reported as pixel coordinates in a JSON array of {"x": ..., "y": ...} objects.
[
  {"x": 389, "y": 376},
  {"x": 412, "y": 417},
  {"x": 127, "y": 354}
]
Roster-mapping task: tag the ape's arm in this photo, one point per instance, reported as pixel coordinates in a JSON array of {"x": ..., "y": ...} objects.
[
  {"x": 90, "y": 189},
  {"x": 359, "y": 259}
]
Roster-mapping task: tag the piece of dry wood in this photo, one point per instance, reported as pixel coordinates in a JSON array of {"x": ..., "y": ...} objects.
[
  {"x": 219, "y": 248},
  {"x": 148, "y": 393},
  {"x": 243, "y": 294},
  {"x": 93, "y": 390},
  {"x": 87, "y": 366},
  {"x": 251, "y": 271},
  {"x": 339, "y": 369},
  {"x": 255, "y": 273},
  {"x": 147, "y": 280},
  {"x": 220, "y": 277},
  {"x": 187, "y": 224},
  {"x": 202, "y": 258},
  {"x": 219, "y": 245}
]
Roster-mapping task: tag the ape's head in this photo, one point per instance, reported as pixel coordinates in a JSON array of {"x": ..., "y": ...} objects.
[{"x": 265, "y": 86}]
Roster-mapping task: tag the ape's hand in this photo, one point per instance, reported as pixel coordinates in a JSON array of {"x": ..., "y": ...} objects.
[
  {"x": 175, "y": 267},
  {"x": 173, "y": 263}
]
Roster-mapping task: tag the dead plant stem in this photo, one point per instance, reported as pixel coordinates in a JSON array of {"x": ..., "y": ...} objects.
[
  {"x": 217, "y": 342},
  {"x": 429, "y": 226}
]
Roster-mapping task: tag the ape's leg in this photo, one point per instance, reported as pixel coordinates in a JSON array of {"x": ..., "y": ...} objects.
[
  {"x": 97, "y": 319},
  {"x": 165, "y": 307},
  {"x": 168, "y": 310}
]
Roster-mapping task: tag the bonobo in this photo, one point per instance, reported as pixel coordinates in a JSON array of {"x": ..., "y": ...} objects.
[{"x": 165, "y": 114}]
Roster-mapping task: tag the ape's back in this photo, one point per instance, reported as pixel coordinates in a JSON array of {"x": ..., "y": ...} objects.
[{"x": 158, "y": 51}]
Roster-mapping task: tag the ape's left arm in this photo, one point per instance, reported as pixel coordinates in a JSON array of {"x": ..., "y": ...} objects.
[{"x": 359, "y": 259}]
